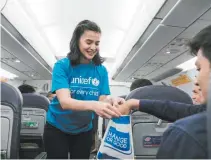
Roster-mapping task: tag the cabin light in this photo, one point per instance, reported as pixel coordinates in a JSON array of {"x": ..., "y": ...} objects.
[
  {"x": 6, "y": 74},
  {"x": 5, "y": 61},
  {"x": 17, "y": 61}
]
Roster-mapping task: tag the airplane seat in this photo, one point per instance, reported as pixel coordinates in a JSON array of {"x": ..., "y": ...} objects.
[
  {"x": 148, "y": 129},
  {"x": 35, "y": 107},
  {"x": 123, "y": 96},
  {"x": 11, "y": 106}
]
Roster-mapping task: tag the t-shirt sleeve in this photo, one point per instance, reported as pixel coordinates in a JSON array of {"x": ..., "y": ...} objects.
[
  {"x": 105, "y": 90},
  {"x": 60, "y": 76}
]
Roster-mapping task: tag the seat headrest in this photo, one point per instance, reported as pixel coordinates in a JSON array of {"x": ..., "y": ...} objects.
[
  {"x": 159, "y": 92},
  {"x": 123, "y": 96},
  {"x": 35, "y": 100},
  {"x": 12, "y": 96}
]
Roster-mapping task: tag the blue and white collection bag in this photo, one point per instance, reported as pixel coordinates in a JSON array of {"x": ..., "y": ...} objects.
[{"x": 118, "y": 141}]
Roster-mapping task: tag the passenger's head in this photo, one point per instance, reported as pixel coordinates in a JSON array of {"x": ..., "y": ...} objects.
[
  {"x": 50, "y": 96},
  {"x": 197, "y": 94},
  {"x": 3, "y": 79},
  {"x": 84, "y": 45},
  {"x": 140, "y": 83},
  {"x": 200, "y": 46},
  {"x": 25, "y": 88}
]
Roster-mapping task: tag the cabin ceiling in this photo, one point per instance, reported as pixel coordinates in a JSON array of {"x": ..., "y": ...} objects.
[
  {"x": 165, "y": 46},
  {"x": 140, "y": 38}
]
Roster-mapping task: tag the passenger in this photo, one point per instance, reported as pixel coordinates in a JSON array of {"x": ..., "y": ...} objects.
[
  {"x": 186, "y": 138},
  {"x": 80, "y": 82},
  {"x": 25, "y": 88},
  {"x": 137, "y": 84},
  {"x": 140, "y": 83},
  {"x": 163, "y": 109},
  {"x": 197, "y": 95},
  {"x": 3, "y": 79},
  {"x": 50, "y": 95}
]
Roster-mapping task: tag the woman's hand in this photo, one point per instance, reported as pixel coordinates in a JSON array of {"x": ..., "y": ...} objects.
[
  {"x": 105, "y": 110},
  {"x": 114, "y": 101}
]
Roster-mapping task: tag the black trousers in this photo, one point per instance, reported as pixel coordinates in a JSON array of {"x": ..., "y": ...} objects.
[{"x": 58, "y": 144}]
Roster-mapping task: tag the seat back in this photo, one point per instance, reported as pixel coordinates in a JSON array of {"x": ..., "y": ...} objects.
[
  {"x": 34, "y": 111},
  {"x": 148, "y": 129},
  {"x": 123, "y": 96},
  {"x": 11, "y": 105}
]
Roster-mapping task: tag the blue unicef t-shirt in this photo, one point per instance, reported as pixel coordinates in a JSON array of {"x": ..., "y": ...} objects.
[{"x": 86, "y": 82}]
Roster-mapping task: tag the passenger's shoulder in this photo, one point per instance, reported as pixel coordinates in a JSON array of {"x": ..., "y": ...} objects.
[
  {"x": 193, "y": 120},
  {"x": 194, "y": 127}
]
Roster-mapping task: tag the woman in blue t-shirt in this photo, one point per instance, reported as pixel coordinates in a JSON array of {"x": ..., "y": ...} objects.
[{"x": 80, "y": 82}]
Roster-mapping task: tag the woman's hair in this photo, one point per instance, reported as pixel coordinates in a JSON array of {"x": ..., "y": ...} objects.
[{"x": 75, "y": 54}]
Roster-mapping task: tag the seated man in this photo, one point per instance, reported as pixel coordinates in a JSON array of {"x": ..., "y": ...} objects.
[
  {"x": 189, "y": 135},
  {"x": 25, "y": 88},
  {"x": 186, "y": 138},
  {"x": 3, "y": 79},
  {"x": 140, "y": 83},
  {"x": 137, "y": 84},
  {"x": 197, "y": 95}
]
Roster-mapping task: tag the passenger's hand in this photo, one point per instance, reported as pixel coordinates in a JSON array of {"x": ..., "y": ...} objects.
[
  {"x": 115, "y": 101},
  {"x": 105, "y": 110},
  {"x": 126, "y": 107}
]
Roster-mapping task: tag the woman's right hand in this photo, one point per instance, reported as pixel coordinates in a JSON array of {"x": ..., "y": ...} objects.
[{"x": 105, "y": 110}]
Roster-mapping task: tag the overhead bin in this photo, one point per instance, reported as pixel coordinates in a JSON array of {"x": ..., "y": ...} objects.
[
  {"x": 11, "y": 44},
  {"x": 161, "y": 36},
  {"x": 185, "y": 12},
  {"x": 181, "y": 16}
]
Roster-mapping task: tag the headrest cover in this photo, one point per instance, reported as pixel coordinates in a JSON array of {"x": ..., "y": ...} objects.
[
  {"x": 159, "y": 92},
  {"x": 35, "y": 100},
  {"x": 11, "y": 95}
]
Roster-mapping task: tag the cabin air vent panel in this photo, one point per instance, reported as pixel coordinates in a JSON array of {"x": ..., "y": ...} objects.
[{"x": 166, "y": 74}]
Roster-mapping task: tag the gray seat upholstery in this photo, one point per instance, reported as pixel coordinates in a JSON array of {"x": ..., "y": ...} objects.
[
  {"x": 148, "y": 129},
  {"x": 160, "y": 92},
  {"x": 123, "y": 96},
  {"x": 34, "y": 111},
  {"x": 11, "y": 105}
]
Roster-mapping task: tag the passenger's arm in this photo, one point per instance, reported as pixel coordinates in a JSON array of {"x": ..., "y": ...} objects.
[{"x": 166, "y": 110}]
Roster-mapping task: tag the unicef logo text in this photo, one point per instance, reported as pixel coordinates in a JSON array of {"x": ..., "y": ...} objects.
[{"x": 90, "y": 80}]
